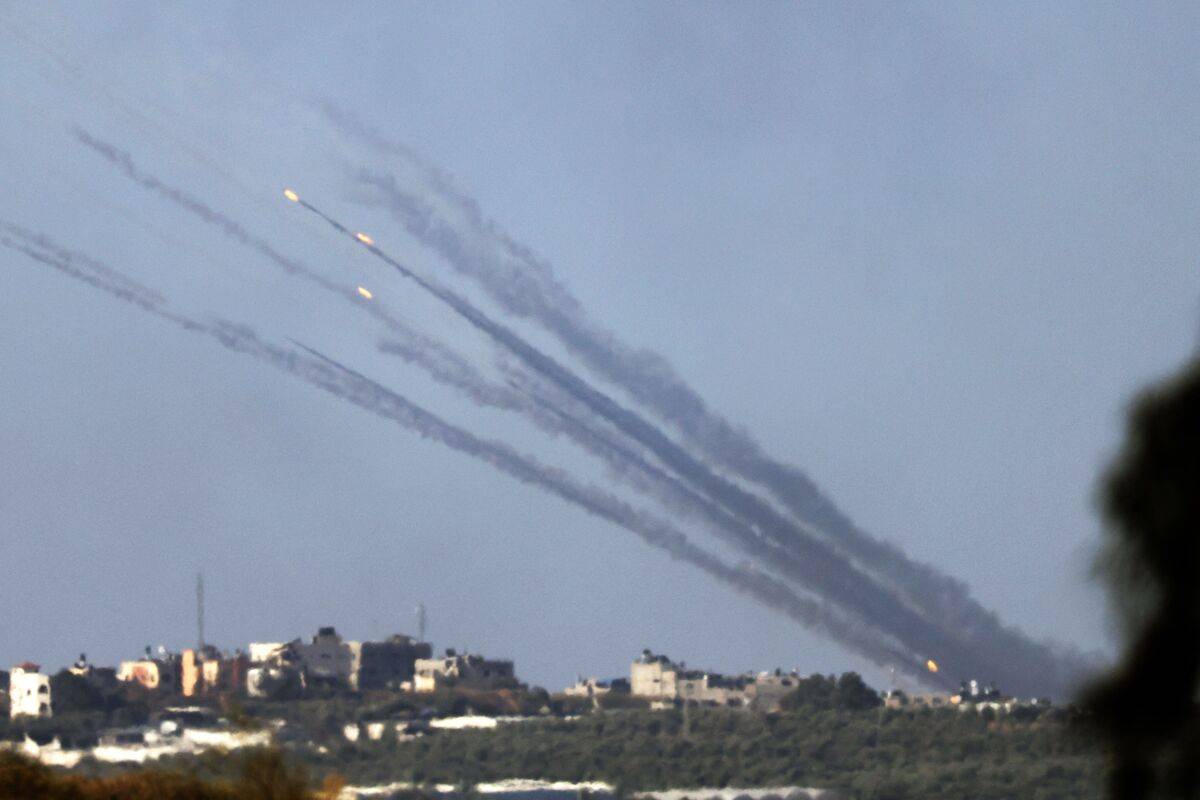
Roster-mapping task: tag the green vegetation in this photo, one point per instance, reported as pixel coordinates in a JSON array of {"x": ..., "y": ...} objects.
[
  {"x": 922, "y": 754},
  {"x": 257, "y": 775}
]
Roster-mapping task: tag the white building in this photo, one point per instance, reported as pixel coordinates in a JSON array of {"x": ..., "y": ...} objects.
[
  {"x": 660, "y": 680},
  {"x": 327, "y": 658},
  {"x": 588, "y": 687},
  {"x": 28, "y": 691},
  {"x": 464, "y": 670}
]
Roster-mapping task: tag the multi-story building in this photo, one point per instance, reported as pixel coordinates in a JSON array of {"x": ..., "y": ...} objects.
[
  {"x": 156, "y": 674},
  {"x": 654, "y": 677},
  {"x": 465, "y": 670},
  {"x": 275, "y": 670},
  {"x": 390, "y": 663},
  {"x": 28, "y": 691},
  {"x": 209, "y": 670},
  {"x": 658, "y": 679},
  {"x": 329, "y": 659}
]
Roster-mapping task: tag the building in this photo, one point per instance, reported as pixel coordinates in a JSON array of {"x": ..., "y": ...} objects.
[
  {"x": 767, "y": 689},
  {"x": 82, "y": 668},
  {"x": 330, "y": 660},
  {"x": 654, "y": 677},
  {"x": 326, "y": 658},
  {"x": 275, "y": 670},
  {"x": 155, "y": 674},
  {"x": 390, "y": 663},
  {"x": 898, "y": 699},
  {"x": 28, "y": 692},
  {"x": 263, "y": 652},
  {"x": 588, "y": 687},
  {"x": 206, "y": 670},
  {"x": 660, "y": 680},
  {"x": 466, "y": 670}
]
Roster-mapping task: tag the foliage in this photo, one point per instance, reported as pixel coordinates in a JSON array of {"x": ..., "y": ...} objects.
[
  {"x": 822, "y": 693},
  {"x": 260, "y": 775},
  {"x": 1147, "y": 708},
  {"x": 924, "y": 754}
]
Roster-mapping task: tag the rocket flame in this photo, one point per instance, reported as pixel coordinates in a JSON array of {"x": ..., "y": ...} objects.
[
  {"x": 365, "y": 293},
  {"x": 362, "y": 237},
  {"x": 931, "y": 665},
  {"x": 290, "y": 195}
]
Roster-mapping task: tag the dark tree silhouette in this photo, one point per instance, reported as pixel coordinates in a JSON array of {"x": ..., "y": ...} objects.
[{"x": 1147, "y": 707}]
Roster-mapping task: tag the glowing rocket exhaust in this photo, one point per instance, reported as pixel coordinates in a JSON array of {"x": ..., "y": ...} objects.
[
  {"x": 290, "y": 195},
  {"x": 362, "y": 237},
  {"x": 931, "y": 665},
  {"x": 366, "y": 293}
]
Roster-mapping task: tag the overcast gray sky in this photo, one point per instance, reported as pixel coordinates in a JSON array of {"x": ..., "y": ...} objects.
[{"x": 927, "y": 252}]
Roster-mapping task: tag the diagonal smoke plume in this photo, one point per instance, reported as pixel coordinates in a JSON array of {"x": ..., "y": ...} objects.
[
  {"x": 812, "y": 562},
  {"x": 344, "y": 383},
  {"x": 1022, "y": 666},
  {"x": 526, "y": 395},
  {"x": 453, "y": 224}
]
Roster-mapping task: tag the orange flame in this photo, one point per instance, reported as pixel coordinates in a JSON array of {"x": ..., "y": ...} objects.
[
  {"x": 290, "y": 195},
  {"x": 931, "y": 665},
  {"x": 362, "y": 237},
  {"x": 365, "y": 293}
]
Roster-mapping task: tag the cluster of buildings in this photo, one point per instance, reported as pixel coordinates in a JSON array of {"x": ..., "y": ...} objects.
[
  {"x": 273, "y": 669},
  {"x": 662, "y": 682},
  {"x": 402, "y": 663},
  {"x": 971, "y": 695}
]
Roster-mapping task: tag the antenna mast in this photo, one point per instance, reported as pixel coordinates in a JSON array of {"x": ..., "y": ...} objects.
[
  {"x": 420, "y": 622},
  {"x": 200, "y": 608}
]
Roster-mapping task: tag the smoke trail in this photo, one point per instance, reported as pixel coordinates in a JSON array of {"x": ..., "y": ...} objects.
[
  {"x": 524, "y": 395},
  {"x": 813, "y": 564},
  {"x": 525, "y": 285},
  {"x": 344, "y": 383}
]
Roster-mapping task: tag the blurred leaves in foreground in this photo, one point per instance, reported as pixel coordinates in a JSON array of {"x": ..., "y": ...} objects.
[{"x": 1147, "y": 707}]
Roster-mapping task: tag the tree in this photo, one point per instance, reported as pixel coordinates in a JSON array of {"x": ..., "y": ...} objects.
[
  {"x": 1147, "y": 707},
  {"x": 853, "y": 694},
  {"x": 70, "y": 692}
]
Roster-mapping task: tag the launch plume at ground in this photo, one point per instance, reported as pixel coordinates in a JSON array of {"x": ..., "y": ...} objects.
[
  {"x": 444, "y": 218},
  {"x": 778, "y": 543},
  {"x": 808, "y": 560}
]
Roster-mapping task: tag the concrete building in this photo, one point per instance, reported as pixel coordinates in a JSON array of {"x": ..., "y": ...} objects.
[
  {"x": 156, "y": 674},
  {"x": 588, "y": 687},
  {"x": 897, "y": 699},
  {"x": 275, "y": 670},
  {"x": 28, "y": 692},
  {"x": 262, "y": 652},
  {"x": 328, "y": 659},
  {"x": 654, "y": 677},
  {"x": 767, "y": 689},
  {"x": 658, "y": 679},
  {"x": 209, "y": 670},
  {"x": 464, "y": 670},
  {"x": 390, "y": 663}
]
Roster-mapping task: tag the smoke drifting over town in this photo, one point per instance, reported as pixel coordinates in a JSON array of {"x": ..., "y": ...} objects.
[
  {"x": 821, "y": 553},
  {"x": 344, "y": 383}
]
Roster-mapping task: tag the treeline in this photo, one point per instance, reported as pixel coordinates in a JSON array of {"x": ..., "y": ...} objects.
[
  {"x": 861, "y": 753},
  {"x": 832, "y": 733},
  {"x": 254, "y": 775}
]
